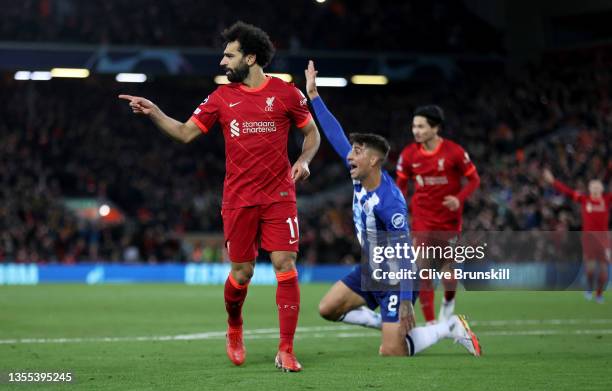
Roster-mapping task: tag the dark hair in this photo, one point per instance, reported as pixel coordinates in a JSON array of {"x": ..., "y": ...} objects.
[
  {"x": 434, "y": 114},
  {"x": 252, "y": 39},
  {"x": 371, "y": 140}
]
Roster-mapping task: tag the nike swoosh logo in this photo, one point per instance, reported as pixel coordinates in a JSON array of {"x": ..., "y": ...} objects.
[
  {"x": 415, "y": 165},
  {"x": 293, "y": 241},
  {"x": 234, "y": 104}
]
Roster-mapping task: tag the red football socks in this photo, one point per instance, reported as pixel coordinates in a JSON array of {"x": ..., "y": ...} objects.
[
  {"x": 234, "y": 298},
  {"x": 288, "y": 303},
  {"x": 450, "y": 287},
  {"x": 590, "y": 277},
  {"x": 426, "y": 298},
  {"x": 602, "y": 280}
]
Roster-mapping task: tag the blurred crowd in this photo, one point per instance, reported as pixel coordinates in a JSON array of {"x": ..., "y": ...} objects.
[
  {"x": 554, "y": 116},
  {"x": 82, "y": 142},
  {"x": 64, "y": 139},
  {"x": 355, "y": 24}
]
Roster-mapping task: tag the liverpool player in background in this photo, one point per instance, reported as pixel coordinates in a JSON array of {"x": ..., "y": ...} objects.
[
  {"x": 595, "y": 241},
  {"x": 259, "y": 204},
  {"x": 437, "y": 166},
  {"x": 379, "y": 211}
]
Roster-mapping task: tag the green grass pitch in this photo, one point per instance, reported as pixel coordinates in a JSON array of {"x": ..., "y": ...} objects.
[{"x": 171, "y": 337}]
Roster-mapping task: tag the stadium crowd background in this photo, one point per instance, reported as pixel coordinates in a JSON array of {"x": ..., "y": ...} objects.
[
  {"x": 75, "y": 139},
  {"x": 358, "y": 24}
]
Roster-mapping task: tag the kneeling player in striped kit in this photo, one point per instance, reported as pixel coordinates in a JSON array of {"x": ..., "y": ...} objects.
[{"x": 378, "y": 208}]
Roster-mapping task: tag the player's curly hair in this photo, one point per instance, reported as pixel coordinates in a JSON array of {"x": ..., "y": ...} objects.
[
  {"x": 371, "y": 140},
  {"x": 434, "y": 115},
  {"x": 252, "y": 39}
]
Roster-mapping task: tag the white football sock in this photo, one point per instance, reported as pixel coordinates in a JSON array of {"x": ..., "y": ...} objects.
[
  {"x": 363, "y": 316},
  {"x": 420, "y": 338},
  {"x": 446, "y": 309}
]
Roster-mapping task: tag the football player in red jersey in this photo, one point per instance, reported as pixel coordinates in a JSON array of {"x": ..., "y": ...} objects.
[
  {"x": 437, "y": 167},
  {"x": 259, "y": 204},
  {"x": 595, "y": 240}
]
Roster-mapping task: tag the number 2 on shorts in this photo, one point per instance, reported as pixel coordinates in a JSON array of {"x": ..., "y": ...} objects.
[{"x": 392, "y": 307}]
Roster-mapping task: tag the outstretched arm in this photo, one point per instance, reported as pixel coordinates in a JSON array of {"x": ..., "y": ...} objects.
[
  {"x": 330, "y": 125},
  {"x": 183, "y": 132},
  {"x": 560, "y": 186},
  {"x": 564, "y": 189}
]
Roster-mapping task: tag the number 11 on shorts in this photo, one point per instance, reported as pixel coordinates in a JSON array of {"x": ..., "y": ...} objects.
[{"x": 294, "y": 231}]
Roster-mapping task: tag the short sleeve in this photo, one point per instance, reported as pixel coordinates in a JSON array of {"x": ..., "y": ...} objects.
[
  {"x": 207, "y": 113},
  {"x": 403, "y": 169},
  {"x": 298, "y": 108},
  {"x": 464, "y": 163},
  {"x": 393, "y": 216}
]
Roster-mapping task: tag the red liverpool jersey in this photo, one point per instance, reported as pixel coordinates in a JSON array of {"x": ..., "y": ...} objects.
[
  {"x": 436, "y": 174},
  {"x": 255, "y": 124},
  {"x": 595, "y": 212}
]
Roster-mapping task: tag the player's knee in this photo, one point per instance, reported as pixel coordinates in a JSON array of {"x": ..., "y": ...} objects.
[
  {"x": 243, "y": 274},
  {"x": 392, "y": 351},
  {"x": 245, "y": 277},
  {"x": 284, "y": 263},
  {"x": 242, "y": 277},
  {"x": 284, "y": 267},
  {"x": 328, "y": 311}
]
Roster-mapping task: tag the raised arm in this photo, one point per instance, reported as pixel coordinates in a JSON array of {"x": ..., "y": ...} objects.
[
  {"x": 564, "y": 189},
  {"x": 560, "y": 186},
  {"x": 329, "y": 124},
  {"x": 179, "y": 131}
]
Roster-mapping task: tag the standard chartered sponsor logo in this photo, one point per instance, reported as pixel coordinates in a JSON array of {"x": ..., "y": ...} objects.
[
  {"x": 258, "y": 127},
  {"x": 436, "y": 180},
  {"x": 431, "y": 180},
  {"x": 234, "y": 128},
  {"x": 251, "y": 127}
]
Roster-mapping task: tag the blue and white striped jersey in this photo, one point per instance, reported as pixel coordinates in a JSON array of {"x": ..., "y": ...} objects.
[
  {"x": 379, "y": 215},
  {"x": 381, "y": 210}
]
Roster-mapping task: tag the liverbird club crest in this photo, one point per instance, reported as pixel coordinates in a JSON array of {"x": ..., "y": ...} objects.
[{"x": 270, "y": 103}]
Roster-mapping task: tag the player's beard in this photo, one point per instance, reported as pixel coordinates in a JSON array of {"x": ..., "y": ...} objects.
[{"x": 239, "y": 74}]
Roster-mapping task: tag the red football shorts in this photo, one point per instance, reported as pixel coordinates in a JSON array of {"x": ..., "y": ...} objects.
[
  {"x": 274, "y": 226},
  {"x": 424, "y": 235},
  {"x": 595, "y": 246}
]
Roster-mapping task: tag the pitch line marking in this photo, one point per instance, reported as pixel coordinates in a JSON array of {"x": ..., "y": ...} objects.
[
  {"x": 335, "y": 331},
  {"x": 526, "y": 322}
]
